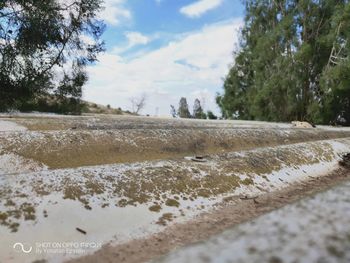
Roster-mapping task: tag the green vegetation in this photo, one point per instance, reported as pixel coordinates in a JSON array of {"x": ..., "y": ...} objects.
[
  {"x": 198, "y": 112},
  {"x": 172, "y": 202},
  {"x": 43, "y": 54},
  {"x": 65, "y": 105},
  {"x": 183, "y": 111},
  {"x": 293, "y": 63},
  {"x": 247, "y": 181},
  {"x": 165, "y": 219},
  {"x": 50, "y": 103},
  {"x": 155, "y": 208},
  {"x": 211, "y": 115},
  {"x": 88, "y": 107}
]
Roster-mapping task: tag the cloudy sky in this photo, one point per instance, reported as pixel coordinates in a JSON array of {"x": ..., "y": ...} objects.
[{"x": 165, "y": 49}]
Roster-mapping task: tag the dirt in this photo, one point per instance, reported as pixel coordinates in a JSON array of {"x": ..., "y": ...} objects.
[{"x": 233, "y": 211}]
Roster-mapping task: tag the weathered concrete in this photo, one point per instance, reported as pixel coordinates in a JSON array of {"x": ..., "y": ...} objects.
[
  {"x": 316, "y": 229},
  {"x": 9, "y": 126},
  {"x": 123, "y": 178}
]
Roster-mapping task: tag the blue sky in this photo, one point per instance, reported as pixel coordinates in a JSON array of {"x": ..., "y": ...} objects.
[{"x": 164, "y": 49}]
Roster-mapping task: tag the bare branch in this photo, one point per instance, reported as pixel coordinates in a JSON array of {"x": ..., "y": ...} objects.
[{"x": 138, "y": 103}]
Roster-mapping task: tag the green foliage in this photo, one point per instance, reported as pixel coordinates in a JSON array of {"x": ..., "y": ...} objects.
[
  {"x": 53, "y": 104},
  {"x": 93, "y": 108},
  {"x": 198, "y": 112},
  {"x": 285, "y": 70},
  {"x": 183, "y": 111},
  {"x": 211, "y": 115},
  {"x": 42, "y": 49}
]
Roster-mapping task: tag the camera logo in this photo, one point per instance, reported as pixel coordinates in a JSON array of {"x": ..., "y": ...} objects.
[{"x": 22, "y": 247}]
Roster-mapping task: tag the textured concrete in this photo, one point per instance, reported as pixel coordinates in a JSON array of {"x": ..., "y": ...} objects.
[
  {"x": 316, "y": 229},
  {"x": 7, "y": 126}
]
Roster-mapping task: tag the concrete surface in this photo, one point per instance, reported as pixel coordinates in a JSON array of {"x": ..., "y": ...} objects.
[{"x": 316, "y": 229}]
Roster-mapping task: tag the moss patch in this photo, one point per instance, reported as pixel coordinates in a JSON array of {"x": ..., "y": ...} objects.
[
  {"x": 247, "y": 181},
  {"x": 165, "y": 219},
  {"x": 155, "y": 208},
  {"x": 172, "y": 202},
  {"x": 28, "y": 211},
  {"x": 11, "y": 217}
]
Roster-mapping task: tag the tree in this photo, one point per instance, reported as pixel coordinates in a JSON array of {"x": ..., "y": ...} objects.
[
  {"x": 292, "y": 62},
  {"x": 183, "y": 111},
  {"x": 211, "y": 115},
  {"x": 173, "y": 111},
  {"x": 138, "y": 103},
  {"x": 198, "y": 111},
  {"x": 335, "y": 79},
  {"x": 44, "y": 48}
]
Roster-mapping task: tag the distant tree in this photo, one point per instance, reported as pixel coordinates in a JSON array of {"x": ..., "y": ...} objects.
[
  {"x": 43, "y": 48},
  {"x": 173, "y": 111},
  {"x": 197, "y": 110},
  {"x": 108, "y": 106},
  {"x": 138, "y": 103},
  {"x": 211, "y": 115},
  {"x": 183, "y": 111}
]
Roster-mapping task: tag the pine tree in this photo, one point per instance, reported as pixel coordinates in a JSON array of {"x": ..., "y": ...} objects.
[
  {"x": 183, "y": 111},
  {"x": 197, "y": 110}
]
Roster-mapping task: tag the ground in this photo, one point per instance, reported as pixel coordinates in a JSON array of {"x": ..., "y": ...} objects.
[
  {"x": 138, "y": 186},
  {"x": 315, "y": 229}
]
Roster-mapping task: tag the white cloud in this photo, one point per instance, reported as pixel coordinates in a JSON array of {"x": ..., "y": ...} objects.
[
  {"x": 200, "y": 7},
  {"x": 133, "y": 39},
  {"x": 136, "y": 38},
  {"x": 115, "y": 12},
  {"x": 192, "y": 66}
]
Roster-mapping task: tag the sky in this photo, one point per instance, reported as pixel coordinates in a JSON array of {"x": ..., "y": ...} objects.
[{"x": 164, "y": 50}]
